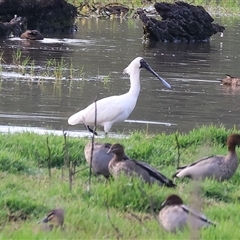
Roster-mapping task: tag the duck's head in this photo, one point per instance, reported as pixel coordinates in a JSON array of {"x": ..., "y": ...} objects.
[
  {"x": 139, "y": 63},
  {"x": 233, "y": 141},
  {"x": 117, "y": 149},
  {"x": 55, "y": 217},
  {"x": 172, "y": 200}
]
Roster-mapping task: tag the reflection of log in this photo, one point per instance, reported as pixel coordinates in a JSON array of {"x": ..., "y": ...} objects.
[
  {"x": 32, "y": 35},
  {"x": 14, "y": 27},
  {"x": 180, "y": 22},
  {"x": 231, "y": 81},
  {"x": 44, "y": 15}
]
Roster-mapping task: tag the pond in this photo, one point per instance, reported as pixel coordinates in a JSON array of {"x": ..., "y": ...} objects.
[{"x": 44, "y": 82}]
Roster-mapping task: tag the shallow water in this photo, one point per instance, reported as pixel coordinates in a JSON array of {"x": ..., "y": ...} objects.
[{"x": 99, "y": 52}]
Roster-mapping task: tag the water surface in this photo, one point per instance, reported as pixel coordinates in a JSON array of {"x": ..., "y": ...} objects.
[{"x": 99, "y": 52}]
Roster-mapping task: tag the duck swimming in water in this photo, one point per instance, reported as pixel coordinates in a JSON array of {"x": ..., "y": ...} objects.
[
  {"x": 118, "y": 165},
  {"x": 175, "y": 215},
  {"x": 231, "y": 81},
  {"x": 218, "y": 167},
  {"x": 32, "y": 35}
]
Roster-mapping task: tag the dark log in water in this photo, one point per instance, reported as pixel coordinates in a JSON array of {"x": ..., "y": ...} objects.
[
  {"x": 44, "y": 15},
  {"x": 12, "y": 27},
  {"x": 181, "y": 22}
]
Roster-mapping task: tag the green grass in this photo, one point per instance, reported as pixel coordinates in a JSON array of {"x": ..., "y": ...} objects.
[
  {"x": 222, "y": 7},
  {"x": 120, "y": 209}
]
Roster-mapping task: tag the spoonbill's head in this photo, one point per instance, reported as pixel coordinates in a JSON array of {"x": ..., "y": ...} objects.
[
  {"x": 137, "y": 64},
  {"x": 116, "y": 149},
  {"x": 172, "y": 200}
]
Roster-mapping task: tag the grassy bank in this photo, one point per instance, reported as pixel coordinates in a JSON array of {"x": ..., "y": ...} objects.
[
  {"x": 34, "y": 179},
  {"x": 222, "y": 7}
]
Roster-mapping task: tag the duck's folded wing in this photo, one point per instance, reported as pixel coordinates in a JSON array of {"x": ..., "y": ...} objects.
[
  {"x": 155, "y": 174},
  {"x": 197, "y": 215},
  {"x": 201, "y": 161}
]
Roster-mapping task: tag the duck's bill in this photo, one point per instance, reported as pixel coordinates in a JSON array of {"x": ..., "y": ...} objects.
[
  {"x": 44, "y": 220},
  {"x": 163, "y": 204},
  {"x": 146, "y": 66}
]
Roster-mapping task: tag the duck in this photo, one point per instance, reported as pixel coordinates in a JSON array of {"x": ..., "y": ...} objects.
[
  {"x": 54, "y": 219},
  {"x": 175, "y": 216},
  {"x": 100, "y": 157},
  {"x": 129, "y": 167},
  {"x": 217, "y": 167},
  {"x": 231, "y": 81},
  {"x": 107, "y": 111},
  {"x": 32, "y": 35}
]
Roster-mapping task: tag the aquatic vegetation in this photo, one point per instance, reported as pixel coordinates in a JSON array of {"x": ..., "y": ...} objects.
[
  {"x": 55, "y": 69},
  {"x": 17, "y": 55}
]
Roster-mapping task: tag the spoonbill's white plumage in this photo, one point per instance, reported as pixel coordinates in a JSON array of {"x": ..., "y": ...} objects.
[{"x": 115, "y": 108}]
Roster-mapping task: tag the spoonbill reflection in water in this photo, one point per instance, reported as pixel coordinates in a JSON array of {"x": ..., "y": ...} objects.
[{"x": 115, "y": 108}]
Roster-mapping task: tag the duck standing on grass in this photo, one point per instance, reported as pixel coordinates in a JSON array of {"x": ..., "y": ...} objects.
[
  {"x": 118, "y": 165},
  {"x": 54, "y": 219},
  {"x": 218, "y": 167},
  {"x": 175, "y": 215},
  {"x": 100, "y": 157}
]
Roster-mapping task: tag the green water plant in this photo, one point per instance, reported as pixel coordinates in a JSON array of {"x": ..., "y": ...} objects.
[
  {"x": 24, "y": 64},
  {"x": 17, "y": 55},
  {"x": 58, "y": 68}
]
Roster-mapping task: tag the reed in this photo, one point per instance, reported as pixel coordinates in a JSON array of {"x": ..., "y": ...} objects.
[
  {"x": 17, "y": 55},
  {"x": 58, "y": 66}
]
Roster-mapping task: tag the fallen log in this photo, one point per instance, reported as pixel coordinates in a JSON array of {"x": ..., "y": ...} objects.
[{"x": 181, "y": 22}]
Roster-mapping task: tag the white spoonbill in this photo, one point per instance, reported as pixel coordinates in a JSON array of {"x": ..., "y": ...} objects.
[{"x": 115, "y": 108}]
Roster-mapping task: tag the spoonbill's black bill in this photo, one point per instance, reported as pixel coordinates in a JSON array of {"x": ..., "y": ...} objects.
[{"x": 145, "y": 65}]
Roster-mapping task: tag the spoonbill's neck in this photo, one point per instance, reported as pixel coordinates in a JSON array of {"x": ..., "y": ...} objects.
[{"x": 135, "y": 83}]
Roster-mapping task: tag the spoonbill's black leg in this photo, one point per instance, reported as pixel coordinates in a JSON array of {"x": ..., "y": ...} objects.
[{"x": 91, "y": 130}]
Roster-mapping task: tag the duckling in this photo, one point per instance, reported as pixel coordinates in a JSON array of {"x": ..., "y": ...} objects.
[
  {"x": 130, "y": 167},
  {"x": 32, "y": 35},
  {"x": 55, "y": 219},
  {"x": 218, "y": 167},
  {"x": 231, "y": 81},
  {"x": 175, "y": 215},
  {"x": 100, "y": 157}
]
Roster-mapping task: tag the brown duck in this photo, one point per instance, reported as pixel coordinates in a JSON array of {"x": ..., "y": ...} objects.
[
  {"x": 32, "y": 35},
  {"x": 54, "y": 219},
  {"x": 231, "y": 81},
  {"x": 175, "y": 215},
  {"x": 118, "y": 165},
  {"x": 100, "y": 157},
  {"x": 218, "y": 167}
]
